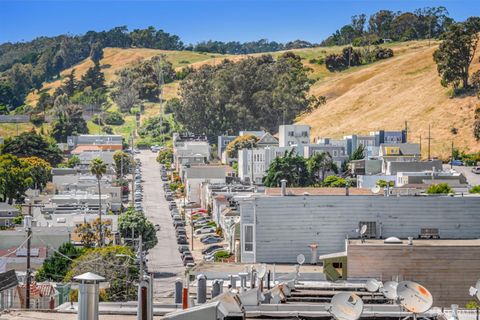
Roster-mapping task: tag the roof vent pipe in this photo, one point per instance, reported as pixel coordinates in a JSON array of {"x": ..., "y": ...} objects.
[
  {"x": 410, "y": 241},
  {"x": 283, "y": 187},
  {"x": 347, "y": 191}
]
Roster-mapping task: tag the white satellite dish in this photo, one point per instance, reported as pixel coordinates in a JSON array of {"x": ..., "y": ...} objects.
[
  {"x": 414, "y": 297},
  {"x": 375, "y": 189},
  {"x": 346, "y": 306},
  {"x": 363, "y": 229},
  {"x": 389, "y": 290},
  {"x": 475, "y": 290},
  {"x": 301, "y": 259},
  {"x": 262, "y": 271},
  {"x": 373, "y": 285}
]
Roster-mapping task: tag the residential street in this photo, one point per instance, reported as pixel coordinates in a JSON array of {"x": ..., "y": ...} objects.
[{"x": 164, "y": 260}]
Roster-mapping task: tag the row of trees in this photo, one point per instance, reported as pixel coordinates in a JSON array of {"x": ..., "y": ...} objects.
[
  {"x": 423, "y": 23},
  {"x": 257, "y": 92},
  {"x": 25, "y": 66},
  {"x": 351, "y": 57},
  {"x": 235, "y": 47}
]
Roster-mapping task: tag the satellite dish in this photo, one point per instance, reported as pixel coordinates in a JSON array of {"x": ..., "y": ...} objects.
[
  {"x": 373, "y": 285},
  {"x": 475, "y": 291},
  {"x": 262, "y": 271},
  {"x": 375, "y": 189},
  {"x": 301, "y": 259},
  {"x": 346, "y": 306},
  {"x": 389, "y": 290},
  {"x": 414, "y": 297},
  {"x": 363, "y": 229}
]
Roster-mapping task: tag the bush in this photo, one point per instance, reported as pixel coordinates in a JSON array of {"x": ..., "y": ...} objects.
[
  {"x": 221, "y": 255},
  {"x": 18, "y": 220},
  {"x": 475, "y": 189},
  {"x": 114, "y": 118},
  {"x": 335, "y": 182},
  {"x": 442, "y": 188},
  {"x": 107, "y": 130}
]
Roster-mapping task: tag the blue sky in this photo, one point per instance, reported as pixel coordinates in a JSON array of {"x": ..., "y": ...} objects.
[{"x": 197, "y": 20}]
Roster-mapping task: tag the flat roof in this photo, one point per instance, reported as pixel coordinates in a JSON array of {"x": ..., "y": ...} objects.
[
  {"x": 321, "y": 191},
  {"x": 418, "y": 242}
]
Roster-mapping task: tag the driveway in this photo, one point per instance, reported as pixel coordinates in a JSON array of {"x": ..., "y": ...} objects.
[{"x": 164, "y": 260}]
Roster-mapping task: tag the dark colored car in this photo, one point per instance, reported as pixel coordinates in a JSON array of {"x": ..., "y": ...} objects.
[
  {"x": 212, "y": 240},
  {"x": 211, "y": 248},
  {"x": 188, "y": 260},
  {"x": 182, "y": 240},
  {"x": 183, "y": 248},
  {"x": 181, "y": 232}
]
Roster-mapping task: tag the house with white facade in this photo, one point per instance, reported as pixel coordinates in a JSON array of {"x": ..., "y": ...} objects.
[
  {"x": 293, "y": 135},
  {"x": 194, "y": 176}
]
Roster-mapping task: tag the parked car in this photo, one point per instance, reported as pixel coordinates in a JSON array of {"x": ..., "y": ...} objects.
[
  {"x": 172, "y": 205},
  {"x": 181, "y": 232},
  {"x": 211, "y": 255},
  {"x": 212, "y": 248},
  {"x": 178, "y": 224},
  {"x": 204, "y": 230},
  {"x": 183, "y": 247},
  {"x": 188, "y": 262},
  {"x": 164, "y": 178},
  {"x": 182, "y": 240},
  {"x": 476, "y": 170},
  {"x": 212, "y": 240},
  {"x": 456, "y": 163}
]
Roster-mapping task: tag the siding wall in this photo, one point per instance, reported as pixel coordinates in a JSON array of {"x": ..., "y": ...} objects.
[
  {"x": 446, "y": 271},
  {"x": 285, "y": 226}
]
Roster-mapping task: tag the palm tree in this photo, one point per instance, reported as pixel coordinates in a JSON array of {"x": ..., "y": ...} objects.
[
  {"x": 319, "y": 164},
  {"x": 99, "y": 168}
]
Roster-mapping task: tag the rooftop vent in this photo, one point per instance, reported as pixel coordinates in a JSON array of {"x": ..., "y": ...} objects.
[{"x": 392, "y": 240}]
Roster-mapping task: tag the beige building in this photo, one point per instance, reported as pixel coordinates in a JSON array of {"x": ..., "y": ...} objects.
[{"x": 445, "y": 267}]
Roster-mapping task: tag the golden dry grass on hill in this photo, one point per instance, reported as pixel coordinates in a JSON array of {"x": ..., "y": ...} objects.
[
  {"x": 386, "y": 94},
  {"x": 382, "y": 95}
]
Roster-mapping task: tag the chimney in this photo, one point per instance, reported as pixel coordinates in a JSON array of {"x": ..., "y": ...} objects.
[{"x": 283, "y": 187}]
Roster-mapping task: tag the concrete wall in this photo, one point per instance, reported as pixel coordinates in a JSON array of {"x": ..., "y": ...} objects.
[
  {"x": 446, "y": 271},
  {"x": 285, "y": 226}
]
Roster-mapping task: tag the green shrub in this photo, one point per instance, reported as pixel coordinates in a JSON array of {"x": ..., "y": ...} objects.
[
  {"x": 97, "y": 120},
  {"x": 107, "y": 130},
  {"x": 114, "y": 118},
  {"x": 221, "y": 255},
  {"x": 441, "y": 188},
  {"x": 475, "y": 189}
]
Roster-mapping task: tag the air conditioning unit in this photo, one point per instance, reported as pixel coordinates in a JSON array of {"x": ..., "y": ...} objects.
[{"x": 429, "y": 233}]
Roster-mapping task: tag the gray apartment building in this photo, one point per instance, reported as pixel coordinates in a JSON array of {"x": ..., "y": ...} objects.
[{"x": 275, "y": 229}]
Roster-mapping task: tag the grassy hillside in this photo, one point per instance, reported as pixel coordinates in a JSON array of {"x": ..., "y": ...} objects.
[
  {"x": 115, "y": 59},
  {"x": 382, "y": 95},
  {"x": 390, "y": 92}
]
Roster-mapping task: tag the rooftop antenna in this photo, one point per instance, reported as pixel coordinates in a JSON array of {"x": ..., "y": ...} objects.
[
  {"x": 414, "y": 297},
  {"x": 346, "y": 306}
]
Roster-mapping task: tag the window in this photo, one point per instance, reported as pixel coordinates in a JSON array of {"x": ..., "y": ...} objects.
[
  {"x": 304, "y": 133},
  {"x": 290, "y": 133},
  {"x": 248, "y": 238},
  {"x": 371, "y": 228},
  {"x": 337, "y": 265},
  {"x": 335, "y": 153}
]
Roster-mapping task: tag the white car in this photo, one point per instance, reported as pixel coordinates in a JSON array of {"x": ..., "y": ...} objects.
[{"x": 204, "y": 230}]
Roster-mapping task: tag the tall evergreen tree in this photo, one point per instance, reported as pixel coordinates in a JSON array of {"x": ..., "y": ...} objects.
[{"x": 93, "y": 78}]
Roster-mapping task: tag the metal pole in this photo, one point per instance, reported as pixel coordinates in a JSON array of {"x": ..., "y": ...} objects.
[
  {"x": 451, "y": 161},
  {"x": 29, "y": 234},
  {"x": 140, "y": 279}
]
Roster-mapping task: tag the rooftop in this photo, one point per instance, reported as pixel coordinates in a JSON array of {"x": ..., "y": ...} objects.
[
  {"x": 319, "y": 191},
  {"x": 419, "y": 242}
]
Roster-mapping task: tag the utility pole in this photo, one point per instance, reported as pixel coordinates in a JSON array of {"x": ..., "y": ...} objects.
[
  {"x": 140, "y": 279},
  {"x": 406, "y": 131},
  {"x": 451, "y": 160},
  {"x": 429, "y": 139},
  {"x": 28, "y": 225}
]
